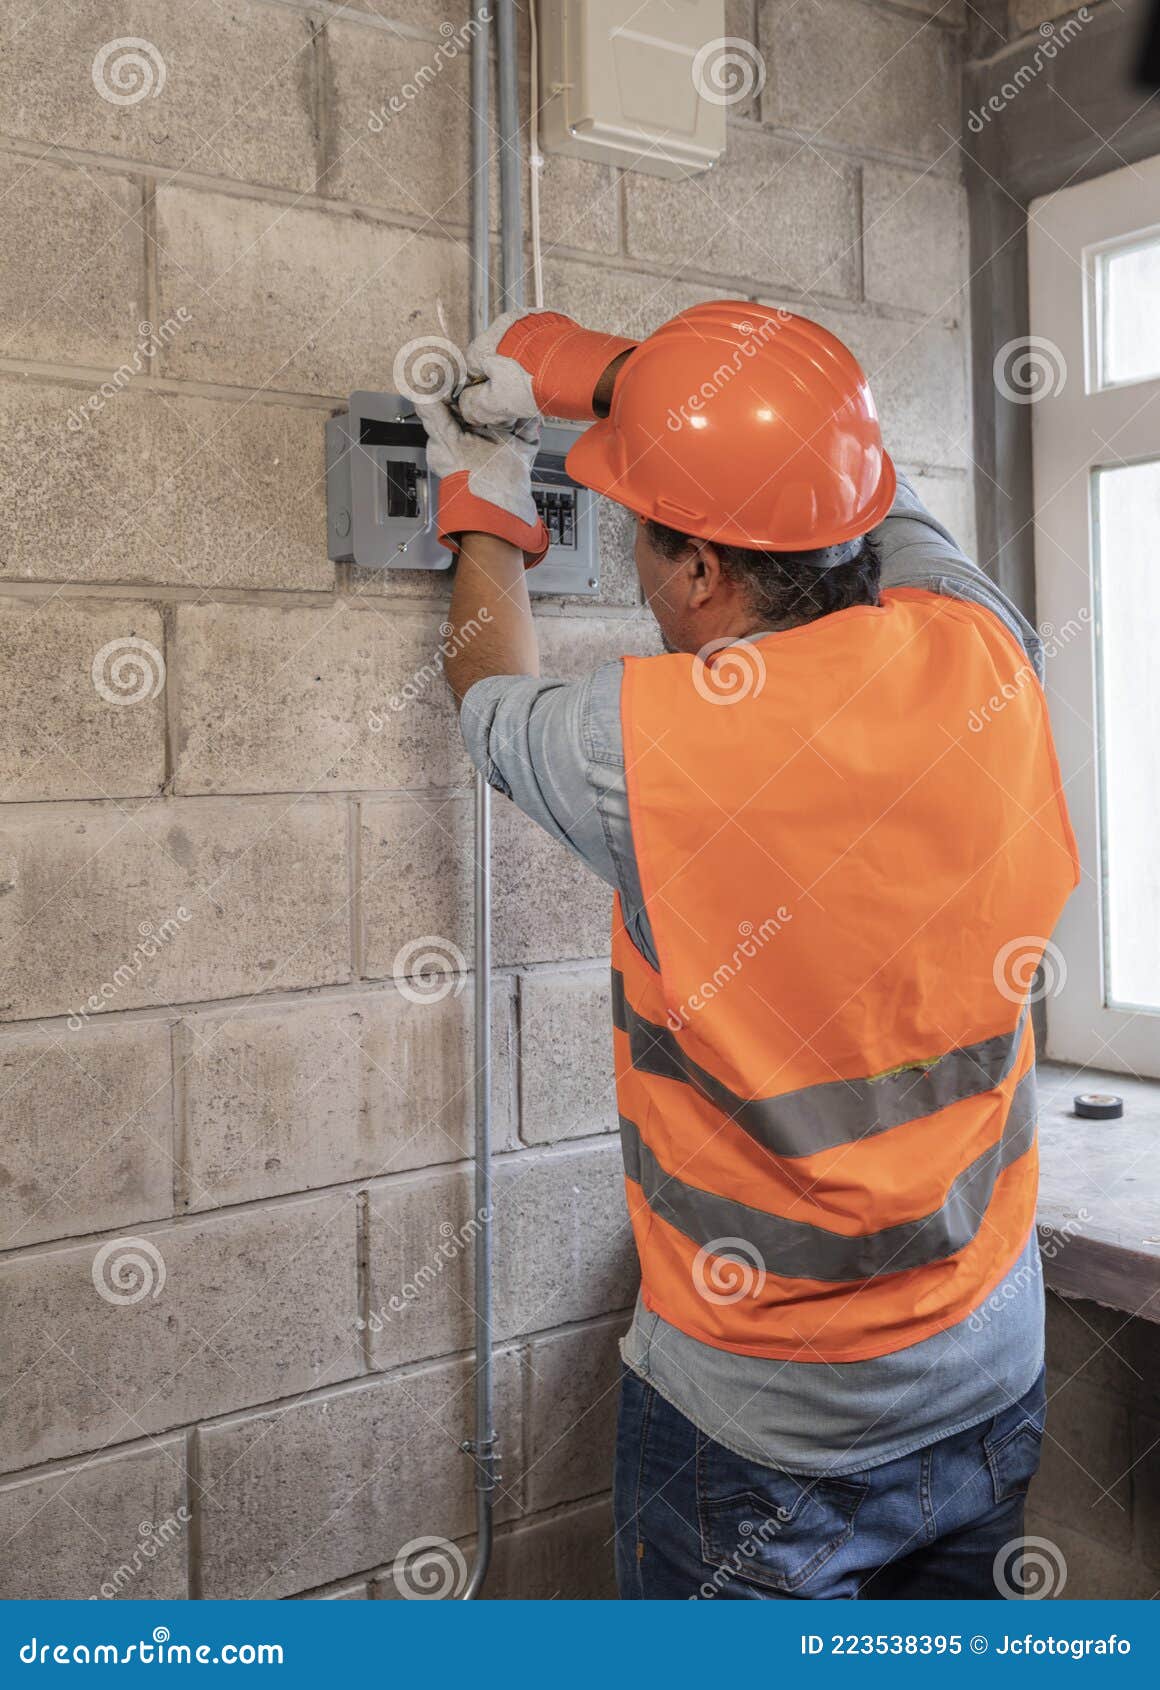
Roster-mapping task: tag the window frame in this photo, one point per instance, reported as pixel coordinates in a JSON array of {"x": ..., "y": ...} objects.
[{"x": 1079, "y": 426}]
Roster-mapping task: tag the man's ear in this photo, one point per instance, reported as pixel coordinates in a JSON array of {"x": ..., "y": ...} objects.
[{"x": 704, "y": 574}]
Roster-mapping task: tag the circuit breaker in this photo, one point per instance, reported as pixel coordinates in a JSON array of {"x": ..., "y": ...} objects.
[{"x": 381, "y": 498}]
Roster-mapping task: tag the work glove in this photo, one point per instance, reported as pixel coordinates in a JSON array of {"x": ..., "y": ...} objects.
[
  {"x": 536, "y": 361},
  {"x": 485, "y": 480}
]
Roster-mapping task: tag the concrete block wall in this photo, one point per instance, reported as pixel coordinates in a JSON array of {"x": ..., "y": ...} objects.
[
  {"x": 235, "y": 1201},
  {"x": 1096, "y": 1499}
]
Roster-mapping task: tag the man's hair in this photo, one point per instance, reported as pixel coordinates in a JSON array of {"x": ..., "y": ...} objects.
[{"x": 786, "y": 586}]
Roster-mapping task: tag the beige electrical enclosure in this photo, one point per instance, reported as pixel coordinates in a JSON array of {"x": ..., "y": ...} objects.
[{"x": 644, "y": 86}]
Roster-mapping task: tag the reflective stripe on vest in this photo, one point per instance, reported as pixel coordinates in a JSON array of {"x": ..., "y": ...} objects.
[{"x": 828, "y": 1122}]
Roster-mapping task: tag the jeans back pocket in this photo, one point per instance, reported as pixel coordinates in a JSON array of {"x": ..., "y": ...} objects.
[{"x": 771, "y": 1528}]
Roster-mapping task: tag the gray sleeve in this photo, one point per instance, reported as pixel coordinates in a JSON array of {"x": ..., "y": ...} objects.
[
  {"x": 556, "y": 749},
  {"x": 530, "y": 738},
  {"x": 917, "y": 551}
]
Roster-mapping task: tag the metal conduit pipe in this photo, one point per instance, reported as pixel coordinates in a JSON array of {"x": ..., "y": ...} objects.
[{"x": 482, "y": 1445}]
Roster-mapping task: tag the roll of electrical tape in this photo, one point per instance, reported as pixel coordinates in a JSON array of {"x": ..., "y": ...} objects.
[{"x": 1099, "y": 1106}]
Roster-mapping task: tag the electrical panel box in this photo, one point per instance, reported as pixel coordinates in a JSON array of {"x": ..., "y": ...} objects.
[
  {"x": 641, "y": 85},
  {"x": 381, "y": 498}
]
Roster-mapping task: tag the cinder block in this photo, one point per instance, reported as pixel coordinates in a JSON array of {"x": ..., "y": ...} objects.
[
  {"x": 322, "y": 1489},
  {"x": 579, "y": 204},
  {"x": 419, "y": 1075},
  {"x": 567, "y": 1557},
  {"x": 231, "y": 100},
  {"x": 1145, "y": 1483},
  {"x": 415, "y": 14},
  {"x": 1084, "y": 1474},
  {"x": 93, "y": 919},
  {"x": 1106, "y": 1348},
  {"x": 616, "y": 531},
  {"x": 78, "y": 300},
  {"x": 918, "y": 375},
  {"x": 904, "y": 214},
  {"x": 1026, "y": 15},
  {"x": 773, "y": 211},
  {"x": 421, "y": 1237},
  {"x": 548, "y": 906},
  {"x": 416, "y": 885},
  {"x": 842, "y": 71},
  {"x": 301, "y": 1095},
  {"x": 82, "y": 699},
  {"x": 743, "y": 81},
  {"x": 271, "y": 1100},
  {"x": 567, "y": 1086},
  {"x": 229, "y": 1312},
  {"x": 156, "y": 487},
  {"x": 623, "y": 302},
  {"x": 574, "y": 1383},
  {"x": 114, "y": 1527},
  {"x": 1094, "y": 1573},
  {"x": 359, "y": 1591},
  {"x": 349, "y": 293},
  {"x": 400, "y": 130},
  {"x": 951, "y": 499},
  {"x": 273, "y": 700},
  {"x": 88, "y": 1130},
  {"x": 563, "y": 1248},
  {"x": 572, "y": 647}
]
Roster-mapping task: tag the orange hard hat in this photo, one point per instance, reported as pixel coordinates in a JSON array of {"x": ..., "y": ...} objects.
[{"x": 745, "y": 425}]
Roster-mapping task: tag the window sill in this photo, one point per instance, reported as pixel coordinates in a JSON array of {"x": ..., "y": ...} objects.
[{"x": 1099, "y": 1214}]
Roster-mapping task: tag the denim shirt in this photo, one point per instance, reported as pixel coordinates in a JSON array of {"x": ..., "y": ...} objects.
[{"x": 555, "y": 749}]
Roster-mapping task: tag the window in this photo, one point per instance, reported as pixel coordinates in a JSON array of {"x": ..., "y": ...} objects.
[{"x": 1094, "y": 252}]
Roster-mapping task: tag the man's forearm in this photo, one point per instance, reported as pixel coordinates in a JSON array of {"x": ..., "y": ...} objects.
[{"x": 491, "y": 614}]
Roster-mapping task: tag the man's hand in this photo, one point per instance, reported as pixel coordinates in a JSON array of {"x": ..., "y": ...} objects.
[
  {"x": 485, "y": 480},
  {"x": 537, "y": 356}
]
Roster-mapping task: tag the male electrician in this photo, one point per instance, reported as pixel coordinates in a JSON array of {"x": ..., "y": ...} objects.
[{"x": 834, "y": 874}]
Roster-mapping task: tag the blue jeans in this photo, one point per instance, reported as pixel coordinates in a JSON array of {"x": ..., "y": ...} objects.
[{"x": 694, "y": 1520}]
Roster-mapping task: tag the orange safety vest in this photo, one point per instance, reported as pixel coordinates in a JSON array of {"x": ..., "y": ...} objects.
[{"x": 852, "y": 846}]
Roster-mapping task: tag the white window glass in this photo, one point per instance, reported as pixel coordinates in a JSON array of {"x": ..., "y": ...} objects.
[
  {"x": 1128, "y": 295},
  {"x": 1126, "y": 508}
]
